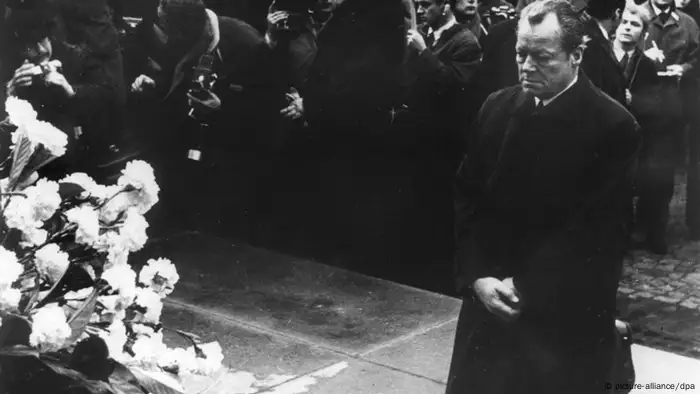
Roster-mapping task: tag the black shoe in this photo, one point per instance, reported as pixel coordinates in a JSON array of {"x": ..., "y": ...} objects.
[{"x": 657, "y": 245}]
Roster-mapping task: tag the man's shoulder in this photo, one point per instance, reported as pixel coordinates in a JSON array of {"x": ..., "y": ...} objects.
[
  {"x": 234, "y": 28},
  {"x": 502, "y": 100},
  {"x": 606, "y": 109},
  {"x": 687, "y": 21}
]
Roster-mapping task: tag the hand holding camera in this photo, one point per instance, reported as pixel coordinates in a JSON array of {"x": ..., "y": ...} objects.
[{"x": 46, "y": 74}]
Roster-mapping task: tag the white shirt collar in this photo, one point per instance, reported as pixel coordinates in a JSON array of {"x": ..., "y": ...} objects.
[
  {"x": 657, "y": 11},
  {"x": 602, "y": 29},
  {"x": 620, "y": 53},
  {"x": 549, "y": 100},
  {"x": 438, "y": 32}
]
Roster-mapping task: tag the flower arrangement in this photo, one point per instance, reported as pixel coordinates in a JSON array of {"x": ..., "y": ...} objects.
[{"x": 76, "y": 316}]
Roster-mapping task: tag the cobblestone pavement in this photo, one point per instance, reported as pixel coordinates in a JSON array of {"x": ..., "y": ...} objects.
[{"x": 660, "y": 295}]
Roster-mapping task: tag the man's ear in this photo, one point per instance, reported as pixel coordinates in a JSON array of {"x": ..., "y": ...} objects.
[
  {"x": 577, "y": 55},
  {"x": 446, "y": 8}
]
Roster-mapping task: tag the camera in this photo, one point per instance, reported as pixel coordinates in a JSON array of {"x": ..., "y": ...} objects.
[{"x": 203, "y": 80}]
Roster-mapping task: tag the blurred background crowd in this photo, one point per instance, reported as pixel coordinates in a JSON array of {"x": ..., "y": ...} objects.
[{"x": 331, "y": 129}]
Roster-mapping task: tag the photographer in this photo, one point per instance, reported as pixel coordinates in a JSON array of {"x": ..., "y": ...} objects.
[{"x": 69, "y": 85}]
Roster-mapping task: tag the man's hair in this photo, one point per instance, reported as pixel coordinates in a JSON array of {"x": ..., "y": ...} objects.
[
  {"x": 521, "y": 4},
  {"x": 604, "y": 9},
  {"x": 572, "y": 29},
  {"x": 640, "y": 11}
]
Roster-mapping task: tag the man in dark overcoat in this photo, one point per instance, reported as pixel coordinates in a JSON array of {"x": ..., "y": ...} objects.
[
  {"x": 542, "y": 202},
  {"x": 600, "y": 64}
]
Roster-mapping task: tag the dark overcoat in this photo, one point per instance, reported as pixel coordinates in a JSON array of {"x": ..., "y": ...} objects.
[
  {"x": 543, "y": 197},
  {"x": 600, "y": 64},
  {"x": 657, "y": 109}
]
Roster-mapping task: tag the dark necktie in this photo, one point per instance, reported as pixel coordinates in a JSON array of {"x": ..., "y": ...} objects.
[
  {"x": 431, "y": 40},
  {"x": 664, "y": 17},
  {"x": 624, "y": 62}
]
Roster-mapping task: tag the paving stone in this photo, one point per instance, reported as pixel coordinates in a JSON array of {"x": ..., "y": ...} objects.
[
  {"x": 644, "y": 266},
  {"x": 666, "y": 267},
  {"x": 676, "y": 276},
  {"x": 689, "y": 304},
  {"x": 625, "y": 290},
  {"x": 693, "y": 278},
  {"x": 644, "y": 294},
  {"x": 668, "y": 299},
  {"x": 678, "y": 295}
]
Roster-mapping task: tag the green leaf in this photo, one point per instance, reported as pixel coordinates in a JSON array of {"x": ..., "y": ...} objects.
[
  {"x": 22, "y": 154},
  {"x": 80, "y": 319}
]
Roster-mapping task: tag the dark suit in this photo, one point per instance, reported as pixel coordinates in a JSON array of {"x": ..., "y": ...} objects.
[
  {"x": 544, "y": 198},
  {"x": 600, "y": 64}
]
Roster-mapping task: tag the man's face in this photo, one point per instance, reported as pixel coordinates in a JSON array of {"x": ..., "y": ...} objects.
[
  {"x": 630, "y": 29},
  {"x": 467, "y": 7},
  {"x": 545, "y": 68},
  {"x": 429, "y": 12},
  {"x": 39, "y": 52},
  {"x": 663, "y": 4}
]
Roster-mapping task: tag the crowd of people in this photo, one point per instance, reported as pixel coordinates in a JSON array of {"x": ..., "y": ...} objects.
[{"x": 348, "y": 100}]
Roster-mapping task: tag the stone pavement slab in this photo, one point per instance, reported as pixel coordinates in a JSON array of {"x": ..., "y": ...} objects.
[
  {"x": 313, "y": 303},
  {"x": 246, "y": 350},
  {"x": 655, "y": 368},
  {"x": 427, "y": 354}
]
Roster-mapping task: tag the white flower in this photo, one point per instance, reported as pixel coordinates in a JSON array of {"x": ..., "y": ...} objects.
[
  {"x": 50, "y": 329},
  {"x": 122, "y": 279},
  {"x": 46, "y": 134},
  {"x": 88, "y": 224},
  {"x": 213, "y": 361},
  {"x": 153, "y": 304},
  {"x": 52, "y": 262},
  {"x": 20, "y": 111},
  {"x": 160, "y": 275},
  {"x": 116, "y": 338},
  {"x": 81, "y": 179},
  {"x": 75, "y": 299},
  {"x": 139, "y": 175},
  {"x": 112, "y": 243},
  {"x": 9, "y": 299},
  {"x": 33, "y": 237},
  {"x": 9, "y": 267},
  {"x": 117, "y": 204},
  {"x": 184, "y": 359},
  {"x": 133, "y": 231},
  {"x": 45, "y": 198},
  {"x": 148, "y": 349}
]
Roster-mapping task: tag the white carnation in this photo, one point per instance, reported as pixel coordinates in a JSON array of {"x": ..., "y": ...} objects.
[
  {"x": 116, "y": 338},
  {"x": 9, "y": 267},
  {"x": 88, "y": 223},
  {"x": 51, "y": 262},
  {"x": 133, "y": 231},
  {"x": 184, "y": 359},
  {"x": 9, "y": 299},
  {"x": 112, "y": 244},
  {"x": 20, "y": 111},
  {"x": 148, "y": 349},
  {"x": 122, "y": 280},
  {"x": 160, "y": 275},
  {"x": 153, "y": 304},
  {"x": 213, "y": 360},
  {"x": 45, "y": 198},
  {"x": 46, "y": 134},
  {"x": 50, "y": 330},
  {"x": 139, "y": 175}
]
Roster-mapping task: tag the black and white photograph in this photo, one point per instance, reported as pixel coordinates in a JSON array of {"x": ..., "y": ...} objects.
[{"x": 350, "y": 196}]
